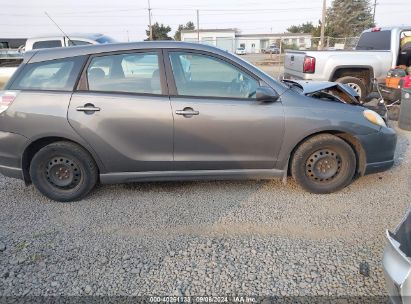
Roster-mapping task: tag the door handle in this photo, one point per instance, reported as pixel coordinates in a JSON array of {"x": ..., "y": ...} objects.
[
  {"x": 88, "y": 108},
  {"x": 187, "y": 112}
]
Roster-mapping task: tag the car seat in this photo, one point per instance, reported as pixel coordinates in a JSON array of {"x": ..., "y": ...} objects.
[{"x": 96, "y": 74}]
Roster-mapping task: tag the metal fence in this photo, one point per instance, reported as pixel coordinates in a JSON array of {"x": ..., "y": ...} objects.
[{"x": 277, "y": 44}]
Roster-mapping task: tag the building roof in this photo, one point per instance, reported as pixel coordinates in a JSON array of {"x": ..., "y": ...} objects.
[
  {"x": 237, "y": 32},
  {"x": 211, "y": 30},
  {"x": 276, "y": 35}
]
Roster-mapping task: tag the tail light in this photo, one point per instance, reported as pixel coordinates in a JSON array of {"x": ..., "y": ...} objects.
[
  {"x": 6, "y": 99},
  {"x": 309, "y": 65}
]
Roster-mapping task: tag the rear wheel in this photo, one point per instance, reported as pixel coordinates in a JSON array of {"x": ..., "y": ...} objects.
[
  {"x": 63, "y": 171},
  {"x": 323, "y": 164},
  {"x": 356, "y": 84}
]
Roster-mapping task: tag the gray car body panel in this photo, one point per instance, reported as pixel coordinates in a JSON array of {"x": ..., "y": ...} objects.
[
  {"x": 38, "y": 115},
  {"x": 136, "y": 136},
  {"x": 397, "y": 262},
  {"x": 143, "y": 139}
]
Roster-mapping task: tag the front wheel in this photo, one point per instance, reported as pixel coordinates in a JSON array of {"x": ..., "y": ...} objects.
[
  {"x": 323, "y": 164},
  {"x": 63, "y": 171},
  {"x": 356, "y": 84}
]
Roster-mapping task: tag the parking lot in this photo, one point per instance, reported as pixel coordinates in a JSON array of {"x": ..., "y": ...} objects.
[{"x": 202, "y": 238}]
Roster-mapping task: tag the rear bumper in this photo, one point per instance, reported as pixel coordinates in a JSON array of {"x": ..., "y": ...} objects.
[
  {"x": 379, "y": 150},
  {"x": 11, "y": 149},
  {"x": 296, "y": 76}
]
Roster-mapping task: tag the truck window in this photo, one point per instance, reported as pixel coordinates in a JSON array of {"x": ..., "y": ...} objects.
[
  {"x": 375, "y": 41},
  {"x": 78, "y": 42},
  {"x": 46, "y": 44}
]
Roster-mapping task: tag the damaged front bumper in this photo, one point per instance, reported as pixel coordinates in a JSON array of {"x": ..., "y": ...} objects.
[{"x": 379, "y": 150}]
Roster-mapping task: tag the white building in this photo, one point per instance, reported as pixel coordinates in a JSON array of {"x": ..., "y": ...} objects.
[
  {"x": 222, "y": 38},
  {"x": 255, "y": 43},
  {"x": 230, "y": 39}
]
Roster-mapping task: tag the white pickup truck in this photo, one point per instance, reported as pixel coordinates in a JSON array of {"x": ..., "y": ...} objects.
[
  {"x": 377, "y": 51},
  {"x": 11, "y": 59}
]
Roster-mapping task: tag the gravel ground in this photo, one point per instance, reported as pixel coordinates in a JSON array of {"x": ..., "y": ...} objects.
[{"x": 202, "y": 238}]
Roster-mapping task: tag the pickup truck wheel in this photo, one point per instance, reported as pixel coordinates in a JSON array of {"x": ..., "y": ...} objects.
[
  {"x": 323, "y": 164},
  {"x": 63, "y": 171},
  {"x": 356, "y": 84}
]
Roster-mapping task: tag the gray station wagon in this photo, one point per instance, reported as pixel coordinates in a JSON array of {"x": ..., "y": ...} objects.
[{"x": 160, "y": 111}]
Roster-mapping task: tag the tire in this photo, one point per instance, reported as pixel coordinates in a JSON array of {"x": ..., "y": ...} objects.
[
  {"x": 356, "y": 83},
  {"x": 324, "y": 164},
  {"x": 63, "y": 171}
]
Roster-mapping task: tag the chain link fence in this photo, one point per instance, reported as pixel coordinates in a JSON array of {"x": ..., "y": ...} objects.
[{"x": 269, "y": 53}]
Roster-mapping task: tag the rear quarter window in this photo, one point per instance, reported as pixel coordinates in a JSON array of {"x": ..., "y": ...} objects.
[
  {"x": 375, "y": 41},
  {"x": 53, "y": 75}
]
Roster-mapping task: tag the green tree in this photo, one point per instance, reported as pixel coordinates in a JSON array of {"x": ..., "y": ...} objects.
[
  {"x": 345, "y": 18},
  {"x": 189, "y": 26},
  {"x": 316, "y": 32},
  {"x": 160, "y": 32},
  {"x": 307, "y": 27},
  {"x": 348, "y": 18}
]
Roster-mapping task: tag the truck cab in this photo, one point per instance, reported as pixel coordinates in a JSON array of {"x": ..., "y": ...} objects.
[{"x": 65, "y": 41}]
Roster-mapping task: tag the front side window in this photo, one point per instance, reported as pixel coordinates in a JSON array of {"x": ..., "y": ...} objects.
[
  {"x": 128, "y": 73},
  {"x": 203, "y": 75},
  {"x": 46, "y": 44},
  {"x": 49, "y": 75}
]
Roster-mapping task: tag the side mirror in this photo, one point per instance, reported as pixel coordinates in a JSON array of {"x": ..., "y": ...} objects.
[{"x": 266, "y": 94}]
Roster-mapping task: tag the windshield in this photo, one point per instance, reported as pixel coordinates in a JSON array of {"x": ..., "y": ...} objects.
[
  {"x": 375, "y": 41},
  {"x": 105, "y": 40}
]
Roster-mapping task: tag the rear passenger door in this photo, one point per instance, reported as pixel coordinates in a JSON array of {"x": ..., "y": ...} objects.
[{"x": 122, "y": 109}]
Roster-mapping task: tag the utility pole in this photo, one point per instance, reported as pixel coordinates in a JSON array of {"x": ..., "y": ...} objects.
[
  {"x": 198, "y": 26},
  {"x": 375, "y": 8},
  {"x": 149, "y": 20},
  {"x": 323, "y": 25}
]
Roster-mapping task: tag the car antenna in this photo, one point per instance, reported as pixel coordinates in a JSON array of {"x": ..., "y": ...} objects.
[{"x": 65, "y": 35}]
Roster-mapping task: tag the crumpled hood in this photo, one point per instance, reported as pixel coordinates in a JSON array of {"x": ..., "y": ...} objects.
[
  {"x": 313, "y": 86},
  {"x": 310, "y": 87}
]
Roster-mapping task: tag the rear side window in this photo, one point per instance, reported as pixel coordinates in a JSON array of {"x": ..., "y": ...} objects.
[
  {"x": 375, "y": 41},
  {"x": 46, "y": 44},
  {"x": 51, "y": 75},
  {"x": 128, "y": 73}
]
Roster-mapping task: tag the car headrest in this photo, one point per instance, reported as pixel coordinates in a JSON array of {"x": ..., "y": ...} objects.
[{"x": 96, "y": 74}]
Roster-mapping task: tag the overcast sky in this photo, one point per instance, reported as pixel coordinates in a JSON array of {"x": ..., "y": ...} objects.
[{"x": 128, "y": 19}]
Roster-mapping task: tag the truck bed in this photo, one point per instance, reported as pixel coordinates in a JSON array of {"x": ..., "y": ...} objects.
[{"x": 327, "y": 62}]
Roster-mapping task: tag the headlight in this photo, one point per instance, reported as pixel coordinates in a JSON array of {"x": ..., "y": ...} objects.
[{"x": 374, "y": 117}]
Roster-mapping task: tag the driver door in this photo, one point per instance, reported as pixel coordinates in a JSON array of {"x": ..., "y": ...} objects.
[{"x": 218, "y": 124}]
